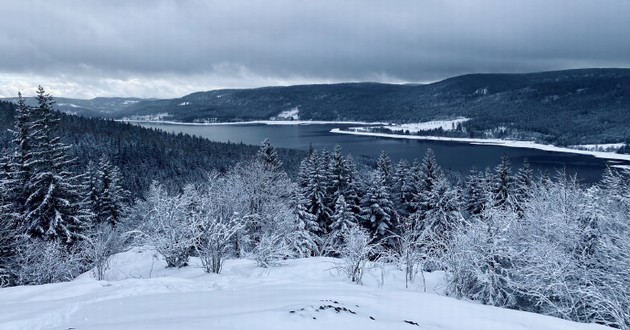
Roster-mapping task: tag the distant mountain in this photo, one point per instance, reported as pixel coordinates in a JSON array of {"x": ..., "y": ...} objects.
[
  {"x": 96, "y": 107},
  {"x": 562, "y": 107}
]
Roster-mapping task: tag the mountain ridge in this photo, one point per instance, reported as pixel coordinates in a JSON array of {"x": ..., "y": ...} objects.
[{"x": 561, "y": 107}]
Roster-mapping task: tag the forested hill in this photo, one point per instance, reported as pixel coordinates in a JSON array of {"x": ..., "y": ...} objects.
[
  {"x": 144, "y": 155},
  {"x": 561, "y": 107}
]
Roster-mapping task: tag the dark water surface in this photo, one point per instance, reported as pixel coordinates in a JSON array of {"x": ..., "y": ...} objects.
[{"x": 455, "y": 156}]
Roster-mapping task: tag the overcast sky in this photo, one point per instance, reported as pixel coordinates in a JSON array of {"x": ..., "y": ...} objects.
[{"x": 169, "y": 48}]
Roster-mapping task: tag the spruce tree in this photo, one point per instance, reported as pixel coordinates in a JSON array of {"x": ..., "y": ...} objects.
[
  {"x": 523, "y": 187},
  {"x": 377, "y": 210},
  {"x": 268, "y": 156},
  {"x": 502, "y": 189},
  {"x": 51, "y": 210},
  {"x": 112, "y": 197},
  {"x": 475, "y": 193},
  {"x": 385, "y": 170}
]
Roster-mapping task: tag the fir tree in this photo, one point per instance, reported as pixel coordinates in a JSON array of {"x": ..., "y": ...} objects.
[
  {"x": 385, "y": 170},
  {"x": 377, "y": 210},
  {"x": 112, "y": 197},
  {"x": 51, "y": 209},
  {"x": 523, "y": 189},
  {"x": 268, "y": 156},
  {"x": 502, "y": 189},
  {"x": 475, "y": 195}
]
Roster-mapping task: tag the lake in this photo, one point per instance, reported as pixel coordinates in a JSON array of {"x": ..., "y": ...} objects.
[{"x": 457, "y": 156}]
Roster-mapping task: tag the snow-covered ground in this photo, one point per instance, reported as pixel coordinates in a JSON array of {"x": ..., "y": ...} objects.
[
  {"x": 293, "y": 114},
  {"x": 599, "y": 147},
  {"x": 158, "y": 117},
  {"x": 447, "y": 125},
  {"x": 497, "y": 142},
  {"x": 140, "y": 293}
]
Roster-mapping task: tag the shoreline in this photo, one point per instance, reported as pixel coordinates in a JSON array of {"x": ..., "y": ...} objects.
[
  {"x": 253, "y": 122},
  {"x": 496, "y": 142}
]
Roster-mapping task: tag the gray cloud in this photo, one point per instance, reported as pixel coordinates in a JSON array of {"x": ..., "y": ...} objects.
[{"x": 168, "y": 48}]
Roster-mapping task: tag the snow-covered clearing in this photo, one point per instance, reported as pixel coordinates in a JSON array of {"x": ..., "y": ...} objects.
[
  {"x": 599, "y": 147},
  {"x": 293, "y": 114},
  {"x": 446, "y": 125},
  {"x": 495, "y": 142},
  {"x": 140, "y": 293}
]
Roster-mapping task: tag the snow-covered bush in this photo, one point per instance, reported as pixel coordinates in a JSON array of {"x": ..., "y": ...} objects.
[
  {"x": 102, "y": 242},
  {"x": 478, "y": 261},
  {"x": 271, "y": 249},
  {"x": 356, "y": 252},
  {"x": 40, "y": 262},
  {"x": 169, "y": 224}
]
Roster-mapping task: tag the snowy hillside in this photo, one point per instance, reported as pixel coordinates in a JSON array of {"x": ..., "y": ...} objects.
[{"x": 140, "y": 293}]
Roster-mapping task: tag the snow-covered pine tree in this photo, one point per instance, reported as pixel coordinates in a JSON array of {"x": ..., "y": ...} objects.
[
  {"x": 268, "y": 156},
  {"x": 441, "y": 219},
  {"x": 339, "y": 176},
  {"x": 377, "y": 210},
  {"x": 385, "y": 170},
  {"x": 112, "y": 197},
  {"x": 475, "y": 193},
  {"x": 502, "y": 190},
  {"x": 403, "y": 187},
  {"x": 523, "y": 187},
  {"x": 344, "y": 216},
  {"x": 428, "y": 174},
  {"x": 52, "y": 208}
]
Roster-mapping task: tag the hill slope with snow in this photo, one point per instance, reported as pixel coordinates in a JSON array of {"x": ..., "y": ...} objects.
[{"x": 140, "y": 293}]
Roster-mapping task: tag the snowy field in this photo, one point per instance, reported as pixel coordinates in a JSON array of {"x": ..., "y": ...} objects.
[
  {"x": 140, "y": 293},
  {"x": 495, "y": 142},
  {"x": 446, "y": 125}
]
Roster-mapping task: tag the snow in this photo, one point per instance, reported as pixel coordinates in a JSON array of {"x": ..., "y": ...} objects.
[
  {"x": 495, "y": 142},
  {"x": 184, "y": 103},
  {"x": 446, "y": 125},
  {"x": 69, "y": 105},
  {"x": 147, "y": 118},
  {"x": 293, "y": 114},
  {"x": 140, "y": 293},
  {"x": 599, "y": 147}
]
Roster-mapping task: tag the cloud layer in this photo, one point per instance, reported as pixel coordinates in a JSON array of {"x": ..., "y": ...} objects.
[{"x": 166, "y": 48}]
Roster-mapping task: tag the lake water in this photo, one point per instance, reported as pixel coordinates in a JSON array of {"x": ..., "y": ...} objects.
[{"x": 455, "y": 156}]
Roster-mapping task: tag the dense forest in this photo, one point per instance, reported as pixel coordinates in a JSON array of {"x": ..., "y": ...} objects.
[{"x": 538, "y": 243}]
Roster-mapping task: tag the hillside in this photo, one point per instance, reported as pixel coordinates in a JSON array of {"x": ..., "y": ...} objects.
[
  {"x": 140, "y": 293},
  {"x": 562, "y": 107},
  {"x": 144, "y": 155},
  {"x": 574, "y": 107}
]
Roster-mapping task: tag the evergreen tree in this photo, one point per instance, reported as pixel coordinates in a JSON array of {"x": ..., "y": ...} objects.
[
  {"x": 385, "y": 170},
  {"x": 344, "y": 216},
  {"x": 51, "y": 209},
  {"x": 403, "y": 189},
  {"x": 112, "y": 197},
  {"x": 523, "y": 187},
  {"x": 428, "y": 174},
  {"x": 268, "y": 156},
  {"x": 475, "y": 193},
  {"x": 502, "y": 189},
  {"x": 377, "y": 209}
]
